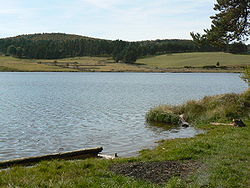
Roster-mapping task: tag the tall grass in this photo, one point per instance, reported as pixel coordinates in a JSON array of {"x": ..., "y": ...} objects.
[
  {"x": 220, "y": 108},
  {"x": 163, "y": 114}
]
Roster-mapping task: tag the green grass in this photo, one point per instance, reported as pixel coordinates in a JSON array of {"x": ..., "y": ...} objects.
[
  {"x": 82, "y": 173},
  {"x": 199, "y": 59},
  {"x": 223, "y": 150}
]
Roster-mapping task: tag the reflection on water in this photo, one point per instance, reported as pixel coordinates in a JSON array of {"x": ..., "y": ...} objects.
[
  {"x": 43, "y": 113},
  {"x": 161, "y": 126}
]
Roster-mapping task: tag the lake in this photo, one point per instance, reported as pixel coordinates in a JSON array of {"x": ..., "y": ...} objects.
[{"x": 42, "y": 113}]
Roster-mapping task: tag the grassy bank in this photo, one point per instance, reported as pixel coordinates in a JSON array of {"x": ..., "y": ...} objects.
[
  {"x": 219, "y": 108},
  {"x": 179, "y": 62},
  {"x": 222, "y": 153}
]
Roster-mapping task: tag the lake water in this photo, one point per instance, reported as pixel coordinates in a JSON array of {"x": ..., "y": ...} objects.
[{"x": 43, "y": 113}]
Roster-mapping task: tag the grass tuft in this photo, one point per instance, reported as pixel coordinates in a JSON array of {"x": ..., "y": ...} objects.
[{"x": 163, "y": 115}]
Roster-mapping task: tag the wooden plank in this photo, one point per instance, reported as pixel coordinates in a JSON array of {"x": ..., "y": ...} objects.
[{"x": 78, "y": 154}]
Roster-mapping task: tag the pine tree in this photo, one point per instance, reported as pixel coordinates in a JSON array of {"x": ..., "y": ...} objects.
[{"x": 232, "y": 22}]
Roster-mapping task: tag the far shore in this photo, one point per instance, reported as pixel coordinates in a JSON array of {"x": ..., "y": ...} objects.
[{"x": 196, "y": 62}]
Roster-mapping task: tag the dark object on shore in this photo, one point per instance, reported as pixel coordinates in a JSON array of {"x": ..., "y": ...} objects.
[
  {"x": 78, "y": 154},
  {"x": 182, "y": 122},
  {"x": 238, "y": 123}
]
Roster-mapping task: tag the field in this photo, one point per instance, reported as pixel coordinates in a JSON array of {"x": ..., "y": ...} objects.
[
  {"x": 95, "y": 64},
  {"x": 178, "y": 62},
  {"x": 77, "y": 64},
  {"x": 11, "y": 64},
  {"x": 196, "y": 61}
]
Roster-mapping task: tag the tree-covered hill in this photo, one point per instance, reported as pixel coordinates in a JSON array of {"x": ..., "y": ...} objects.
[
  {"x": 49, "y": 36},
  {"x": 60, "y": 45}
]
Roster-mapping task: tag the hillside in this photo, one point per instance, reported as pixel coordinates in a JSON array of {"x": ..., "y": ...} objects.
[
  {"x": 49, "y": 36},
  {"x": 60, "y": 45}
]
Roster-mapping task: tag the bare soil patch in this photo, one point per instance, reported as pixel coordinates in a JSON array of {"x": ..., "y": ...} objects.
[{"x": 156, "y": 172}]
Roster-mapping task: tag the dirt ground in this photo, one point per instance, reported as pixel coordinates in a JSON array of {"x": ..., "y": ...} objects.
[{"x": 156, "y": 172}]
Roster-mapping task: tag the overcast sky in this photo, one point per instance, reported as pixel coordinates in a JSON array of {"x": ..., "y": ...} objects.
[{"x": 108, "y": 19}]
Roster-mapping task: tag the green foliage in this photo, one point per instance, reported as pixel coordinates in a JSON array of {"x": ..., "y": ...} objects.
[
  {"x": 237, "y": 48},
  {"x": 19, "y": 52},
  {"x": 118, "y": 51},
  {"x": 11, "y": 50},
  {"x": 60, "y": 45},
  {"x": 230, "y": 23},
  {"x": 202, "y": 43},
  {"x": 130, "y": 54}
]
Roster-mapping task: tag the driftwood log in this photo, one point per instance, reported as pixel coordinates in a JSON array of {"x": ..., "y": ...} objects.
[
  {"x": 78, "y": 154},
  {"x": 108, "y": 156},
  {"x": 235, "y": 123}
]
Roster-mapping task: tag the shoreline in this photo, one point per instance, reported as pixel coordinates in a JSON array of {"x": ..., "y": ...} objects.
[
  {"x": 165, "y": 71},
  {"x": 205, "y": 160}
]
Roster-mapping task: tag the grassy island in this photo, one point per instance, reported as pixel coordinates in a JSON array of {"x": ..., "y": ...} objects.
[{"x": 218, "y": 158}]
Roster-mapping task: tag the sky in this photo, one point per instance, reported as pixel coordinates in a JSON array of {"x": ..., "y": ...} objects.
[{"x": 130, "y": 20}]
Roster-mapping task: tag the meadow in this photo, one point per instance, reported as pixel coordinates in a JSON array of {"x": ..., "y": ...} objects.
[
  {"x": 177, "y": 62},
  {"x": 11, "y": 64},
  {"x": 196, "y": 61}
]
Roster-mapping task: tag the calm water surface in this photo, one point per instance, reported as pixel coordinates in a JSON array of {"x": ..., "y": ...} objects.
[{"x": 43, "y": 113}]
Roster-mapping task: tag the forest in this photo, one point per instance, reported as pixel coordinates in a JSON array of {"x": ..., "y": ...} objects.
[{"x": 61, "y": 45}]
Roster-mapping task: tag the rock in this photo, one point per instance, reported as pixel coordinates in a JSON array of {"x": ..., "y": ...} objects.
[
  {"x": 182, "y": 122},
  {"x": 238, "y": 123}
]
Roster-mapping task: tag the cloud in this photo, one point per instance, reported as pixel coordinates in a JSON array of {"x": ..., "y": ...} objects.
[
  {"x": 110, "y": 19},
  {"x": 103, "y": 4}
]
